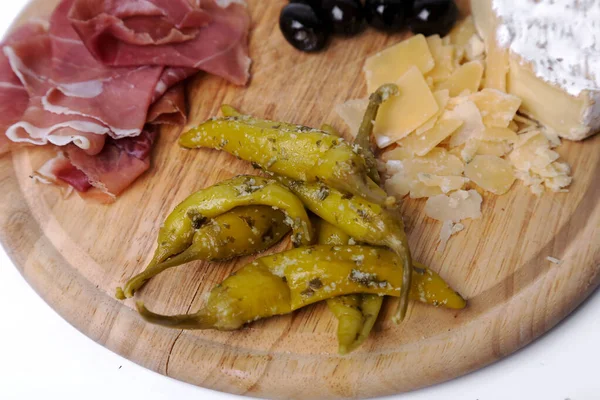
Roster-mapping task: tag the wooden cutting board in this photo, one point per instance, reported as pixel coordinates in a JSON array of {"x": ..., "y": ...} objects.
[{"x": 74, "y": 254}]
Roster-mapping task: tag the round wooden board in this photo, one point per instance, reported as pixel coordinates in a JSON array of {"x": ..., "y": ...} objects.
[{"x": 74, "y": 254}]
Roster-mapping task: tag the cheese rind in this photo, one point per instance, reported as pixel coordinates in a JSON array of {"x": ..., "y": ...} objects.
[{"x": 574, "y": 115}]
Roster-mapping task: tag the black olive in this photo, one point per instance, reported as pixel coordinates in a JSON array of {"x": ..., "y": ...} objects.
[
  {"x": 388, "y": 15},
  {"x": 303, "y": 28},
  {"x": 433, "y": 17},
  {"x": 346, "y": 16}
]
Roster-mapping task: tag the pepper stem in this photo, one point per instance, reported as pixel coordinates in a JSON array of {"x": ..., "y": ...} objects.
[
  {"x": 135, "y": 283},
  {"x": 399, "y": 247},
  {"x": 184, "y": 321},
  {"x": 363, "y": 138}
]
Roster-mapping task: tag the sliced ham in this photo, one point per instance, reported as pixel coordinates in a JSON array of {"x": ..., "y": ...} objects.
[
  {"x": 76, "y": 102},
  {"x": 171, "y": 76},
  {"x": 98, "y": 78},
  {"x": 13, "y": 95},
  {"x": 104, "y": 176},
  {"x": 170, "y": 109},
  {"x": 208, "y": 35}
]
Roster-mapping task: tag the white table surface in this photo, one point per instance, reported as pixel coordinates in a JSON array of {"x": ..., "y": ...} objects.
[{"x": 43, "y": 357}]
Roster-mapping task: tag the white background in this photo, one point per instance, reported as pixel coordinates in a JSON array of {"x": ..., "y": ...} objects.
[{"x": 43, "y": 357}]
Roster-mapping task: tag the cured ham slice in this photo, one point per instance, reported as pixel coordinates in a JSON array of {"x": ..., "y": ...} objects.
[
  {"x": 100, "y": 75},
  {"x": 13, "y": 95},
  {"x": 170, "y": 77},
  {"x": 76, "y": 102},
  {"x": 104, "y": 176},
  {"x": 208, "y": 35},
  {"x": 170, "y": 109}
]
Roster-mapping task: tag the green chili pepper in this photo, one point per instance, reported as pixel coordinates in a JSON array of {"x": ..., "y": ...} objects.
[
  {"x": 305, "y": 154},
  {"x": 178, "y": 230},
  {"x": 330, "y": 130},
  {"x": 361, "y": 219},
  {"x": 296, "y": 278},
  {"x": 239, "y": 232},
  {"x": 356, "y": 314}
]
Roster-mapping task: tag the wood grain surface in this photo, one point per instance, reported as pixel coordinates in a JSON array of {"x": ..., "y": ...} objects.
[{"x": 74, "y": 254}]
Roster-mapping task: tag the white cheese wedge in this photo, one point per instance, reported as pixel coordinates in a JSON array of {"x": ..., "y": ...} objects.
[{"x": 553, "y": 59}]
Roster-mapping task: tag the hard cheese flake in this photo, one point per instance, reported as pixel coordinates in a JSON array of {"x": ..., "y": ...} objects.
[
  {"x": 491, "y": 173},
  {"x": 352, "y": 112},
  {"x": 455, "y": 207},
  {"x": 423, "y": 144},
  {"x": 467, "y": 112},
  {"x": 497, "y": 108},
  {"x": 475, "y": 48},
  {"x": 402, "y": 114},
  {"x": 536, "y": 164},
  {"x": 497, "y": 65},
  {"x": 466, "y": 78},
  {"x": 392, "y": 63},
  {"x": 498, "y": 135},
  {"x": 406, "y": 170},
  {"x": 449, "y": 228},
  {"x": 443, "y": 56},
  {"x": 445, "y": 183},
  {"x": 476, "y": 147},
  {"x": 460, "y": 36},
  {"x": 441, "y": 97}
]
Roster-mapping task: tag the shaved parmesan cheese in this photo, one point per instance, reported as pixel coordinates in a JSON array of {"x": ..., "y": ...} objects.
[
  {"x": 498, "y": 135},
  {"x": 475, "y": 48},
  {"x": 455, "y": 207},
  {"x": 554, "y": 260},
  {"x": 441, "y": 97},
  {"x": 497, "y": 108},
  {"x": 419, "y": 190},
  {"x": 449, "y": 228},
  {"x": 423, "y": 144},
  {"x": 488, "y": 148},
  {"x": 497, "y": 66},
  {"x": 404, "y": 113},
  {"x": 436, "y": 162},
  {"x": 533, "y": 153},
  {"x": 513, "y": 126},
  {"x": 491, "y": 173},
  {"x": 445, "y": 183},
  {"x": 352, "y": 112},
  {"x": 392, "y": 63},
  {"x": 466, "y": 77},
  {"x": 397, "y": 153},
  {"x": 525, "y": 120},
  {"x": 468, "y": 112},
  {"x": 444, "y": 59},
  {"x": 398, "y": 185},
  {"x": 440, "y": 172},
  {"x": 460, "y": 36}
]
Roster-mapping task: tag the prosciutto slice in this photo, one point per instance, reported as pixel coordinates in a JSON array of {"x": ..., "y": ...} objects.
[
  {"x": 13, "y": 95},
  {"x": 208, "y": 35},
  {"x": 171, "y": 108},
  {"x": 104, "y": 176},
  {"x": 78, "y": 101},
  {"x": 97, "y": 79}
]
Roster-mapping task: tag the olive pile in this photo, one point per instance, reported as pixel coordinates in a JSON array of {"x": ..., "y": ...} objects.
[{"x": 308, "y": 24}]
